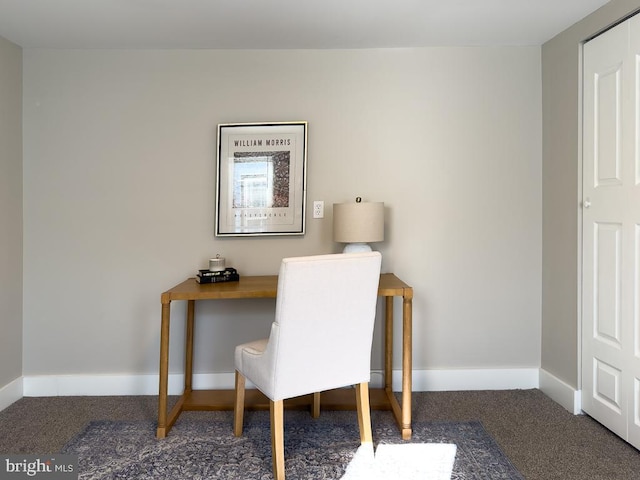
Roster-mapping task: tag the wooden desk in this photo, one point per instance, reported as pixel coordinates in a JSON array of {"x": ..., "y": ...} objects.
[{"x": 265, "y": 287}]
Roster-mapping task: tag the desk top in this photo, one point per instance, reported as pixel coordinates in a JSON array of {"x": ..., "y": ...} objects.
[{"x": 263, "y": 287}]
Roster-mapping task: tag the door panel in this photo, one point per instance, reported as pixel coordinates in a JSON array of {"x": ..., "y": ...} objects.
[
  {"x": 607, "y": 386},
  {"x": 607, "y": 118},
  {"x": 606, "y": 295},
  {"x": 609, "y": 378},
  {"x": 634, "y": 219}
]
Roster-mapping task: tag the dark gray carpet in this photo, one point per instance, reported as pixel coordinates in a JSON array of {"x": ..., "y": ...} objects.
[
  {"x": 317, "y": 449},
  {"x": 542, "y": 439}
]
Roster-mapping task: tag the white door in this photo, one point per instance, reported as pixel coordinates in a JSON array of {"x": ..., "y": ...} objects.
[
  {"x": 633, "y": 212},
  {"x": 611, "y": 231}
]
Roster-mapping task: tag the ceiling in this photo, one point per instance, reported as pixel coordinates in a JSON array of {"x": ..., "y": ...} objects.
[{"x": 286, "y": 24}]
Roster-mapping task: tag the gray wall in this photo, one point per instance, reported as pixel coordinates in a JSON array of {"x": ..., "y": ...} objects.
[
  {"x": 10, "y": 212},
  {"x": 119, "y": 182},
  {"x": 119, "y": 193},
  {"x": 562, "y": 171}
]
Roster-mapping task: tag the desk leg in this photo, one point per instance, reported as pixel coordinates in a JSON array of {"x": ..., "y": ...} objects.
[
  {"x": 188, "y": 363},
  {"x": 388, "y": 344},
  {"x": 407, "y": 323},
  {"x": 164, "y": 372},
  {"x": 400, "y": 413}
]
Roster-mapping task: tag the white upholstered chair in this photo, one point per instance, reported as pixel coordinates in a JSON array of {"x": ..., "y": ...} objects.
[{"x": 320, "y": 339}]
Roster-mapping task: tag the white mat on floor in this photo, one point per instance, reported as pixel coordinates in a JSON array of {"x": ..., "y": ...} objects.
[{"x": 408, "y": 461}]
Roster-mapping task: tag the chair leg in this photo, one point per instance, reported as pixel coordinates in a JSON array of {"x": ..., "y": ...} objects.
[
  {"x": 364, "y": 412},
  {"x": 315, "y": 407},
  {"x": 277, "y": 437},
  {"x": 238, "y": 408}
]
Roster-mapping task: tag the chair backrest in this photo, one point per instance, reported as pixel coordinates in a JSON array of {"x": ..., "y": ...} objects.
[{"x": 325, "y": 312}]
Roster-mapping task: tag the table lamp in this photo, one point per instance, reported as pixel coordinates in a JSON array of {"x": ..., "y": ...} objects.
[{"x": 358, "y": 224}]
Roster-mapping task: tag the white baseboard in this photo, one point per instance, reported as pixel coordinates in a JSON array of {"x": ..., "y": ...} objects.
[
  {"x": 471, "y": 379},
  {"x": 107, "y": 385},
  {"x": 422, "y": 381},
  {"x": 97, "y": 385},
  {"x": 11, "y": 393},
  {"x": 561, "y": 392}
]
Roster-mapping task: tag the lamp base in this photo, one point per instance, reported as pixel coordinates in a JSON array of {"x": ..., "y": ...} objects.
[{"x": 356, "y": 248}]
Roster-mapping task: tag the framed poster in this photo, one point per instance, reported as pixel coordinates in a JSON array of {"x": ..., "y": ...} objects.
[{"x": 261, "y": 188}]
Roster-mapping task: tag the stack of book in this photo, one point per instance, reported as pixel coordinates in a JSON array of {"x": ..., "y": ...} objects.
[{"x": 227, "y": 275}]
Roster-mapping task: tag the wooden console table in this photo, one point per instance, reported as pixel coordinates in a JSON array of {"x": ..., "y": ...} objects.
[{"x": 389, "y": 287}]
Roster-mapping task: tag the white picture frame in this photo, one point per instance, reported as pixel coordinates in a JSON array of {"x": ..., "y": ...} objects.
[{"x": 261, "y": 179}]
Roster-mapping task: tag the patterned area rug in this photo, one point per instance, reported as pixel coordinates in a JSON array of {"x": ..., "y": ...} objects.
[{"x": 314, "y": 449}]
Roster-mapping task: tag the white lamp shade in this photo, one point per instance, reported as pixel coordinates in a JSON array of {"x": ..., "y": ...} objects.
[{"x": 358, "y": 222}]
